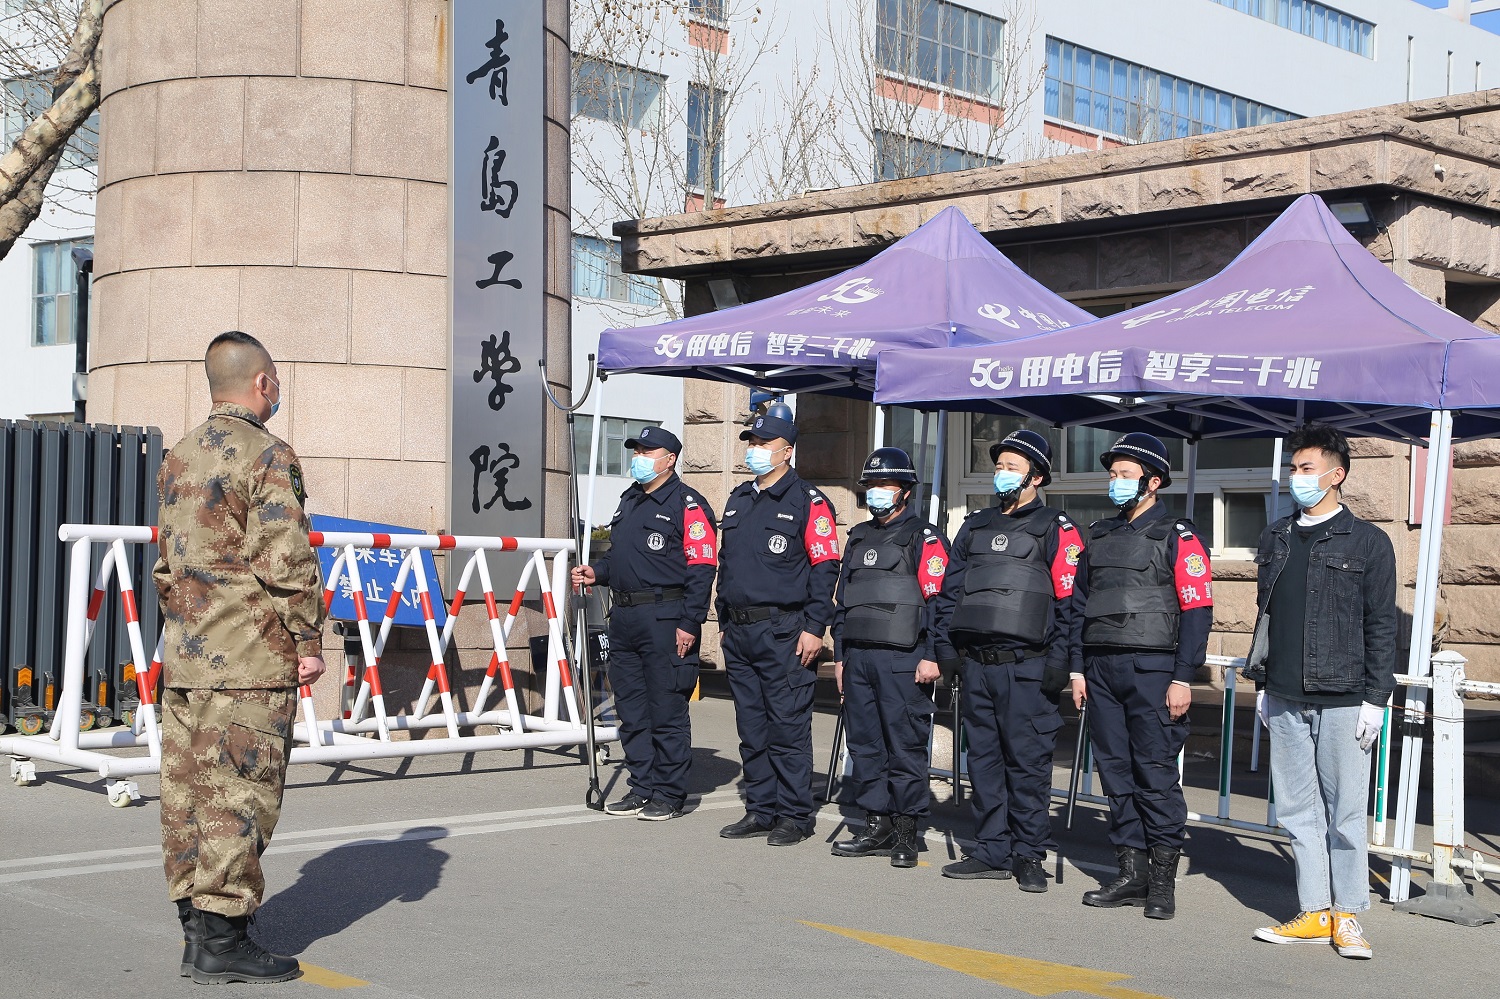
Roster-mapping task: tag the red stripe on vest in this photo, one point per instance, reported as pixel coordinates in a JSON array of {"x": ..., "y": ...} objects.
[
  {"x": 700, "y": 544},
  {"x": 1195, "y": 584},
  {"x": 820, "y": 538},
  {"x": 1065, "y": 562},
  {"x": 933, "y": 567}
]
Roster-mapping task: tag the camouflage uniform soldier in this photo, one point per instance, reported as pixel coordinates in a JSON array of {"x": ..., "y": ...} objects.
[{"x": 241, "y": 590}]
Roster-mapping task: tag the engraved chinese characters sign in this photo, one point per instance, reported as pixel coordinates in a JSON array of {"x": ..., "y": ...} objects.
[{"x": 497, "y": 203}]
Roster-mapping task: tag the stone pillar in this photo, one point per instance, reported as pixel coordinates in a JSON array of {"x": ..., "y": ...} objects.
[{"x": 280, "y": 167}]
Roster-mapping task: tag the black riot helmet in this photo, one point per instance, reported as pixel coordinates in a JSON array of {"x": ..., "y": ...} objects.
[
  {"x": 1145, "y": 449},
  {"x": 1030, "y": 445},
  {"x": 888, "y": 463}
]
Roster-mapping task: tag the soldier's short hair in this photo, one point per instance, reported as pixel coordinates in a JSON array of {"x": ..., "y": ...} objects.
[
  {"x": 1330, "y": 440},
  {"x": 232, "y": 361}
]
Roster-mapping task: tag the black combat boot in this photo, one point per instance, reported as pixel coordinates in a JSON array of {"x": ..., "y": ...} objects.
[
  {"x": 1129, "y": 888},
  {"x": 227, "y": 954},
  {"x": 188, "y": 916},
  {"x": 904, "y": 846},
  {"x": 1161, "y": 901},
  {"x": 874, "y": 840}
]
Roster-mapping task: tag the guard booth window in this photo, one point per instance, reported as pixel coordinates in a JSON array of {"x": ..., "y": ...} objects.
[
  {"x": 53, "y": 285},
  {"x": 612, "y": 457}
]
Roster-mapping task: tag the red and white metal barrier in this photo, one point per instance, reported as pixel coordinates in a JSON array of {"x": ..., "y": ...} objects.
[{"x": 352, "y": 737}]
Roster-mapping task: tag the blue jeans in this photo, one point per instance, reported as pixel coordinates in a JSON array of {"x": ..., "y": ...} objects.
[{"x": 1322, "y": 784}]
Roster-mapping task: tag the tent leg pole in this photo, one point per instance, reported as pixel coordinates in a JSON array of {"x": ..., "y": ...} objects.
[
  {"x": 937, "y": 465},
  {"x": 877, "y": 439},
  {"x": 1192, "y": 480}
]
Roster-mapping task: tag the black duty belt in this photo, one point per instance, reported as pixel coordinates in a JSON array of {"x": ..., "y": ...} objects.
[
  {"x": 761, "y": 612},
  {"x": 634, "y": 598},
  {"x": 991, "y": 656}
]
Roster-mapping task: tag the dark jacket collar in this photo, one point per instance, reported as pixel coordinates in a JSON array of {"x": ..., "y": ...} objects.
[
  {"x": 1341, "y": 522},
  {"x": 660, "y": 494}
]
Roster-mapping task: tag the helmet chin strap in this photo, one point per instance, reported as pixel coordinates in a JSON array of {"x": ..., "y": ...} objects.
[{"x": 1140, "y": 493}]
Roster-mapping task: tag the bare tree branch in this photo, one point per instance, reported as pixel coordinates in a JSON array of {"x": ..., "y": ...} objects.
[{"x": 28, "y": 166}]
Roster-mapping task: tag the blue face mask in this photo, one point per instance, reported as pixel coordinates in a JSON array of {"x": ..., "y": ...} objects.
[
  {"x": 881, "y": 499},
  {"x": 759, "y": 460},
  {"x": 642, "y": 468},
  {"x": 1122, "y": 491},
  {"x": 1306, "y": 491},
  {"x": 277, "y": 404},
  {"x": 1008, "y": 482}
]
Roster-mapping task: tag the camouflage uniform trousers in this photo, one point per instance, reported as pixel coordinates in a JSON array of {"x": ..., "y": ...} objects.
[{"x": 223, "y": 769}]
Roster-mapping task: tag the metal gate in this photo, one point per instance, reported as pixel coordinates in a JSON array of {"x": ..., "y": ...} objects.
[{"x": 52, "y": 474}]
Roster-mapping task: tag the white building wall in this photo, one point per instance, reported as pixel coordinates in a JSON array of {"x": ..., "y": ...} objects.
[{"x": 38, "y": 381}]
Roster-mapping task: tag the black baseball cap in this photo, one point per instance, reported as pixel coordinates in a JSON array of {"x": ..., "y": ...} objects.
[
  {"x": 652, "y": 438},
  {"x": 768, "y": 428}
]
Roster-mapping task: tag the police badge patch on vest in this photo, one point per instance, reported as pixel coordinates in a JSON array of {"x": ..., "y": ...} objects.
[{"x": 656, "y": 542}]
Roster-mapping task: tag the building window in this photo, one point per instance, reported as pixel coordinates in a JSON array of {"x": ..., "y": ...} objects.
[
  {"x": 1139, "y": 104},
  {"x": 26, "y": 98},
  {"x": 943, "y": 44},
  {"x": 709, "y": 11},
  {"x": 615, "y": 431},
  {"x": 1231, "y": 508},
  {"x": 621, "y": 95},
  {"x": 705, "y": 136},
  {"x": 597, "y": 274},
  {"x": 899, "y": 156},
  {"x": 1314, "y": 20},
  {"x": 53, "y": 288}
]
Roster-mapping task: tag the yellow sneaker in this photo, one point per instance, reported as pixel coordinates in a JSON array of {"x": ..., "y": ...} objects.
[
  {"x": 1308, "y": 927},
  {"x": 1349, "y": 938}
]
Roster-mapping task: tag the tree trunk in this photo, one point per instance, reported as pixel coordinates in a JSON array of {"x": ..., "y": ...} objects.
[{"x": 27, "y": 167}]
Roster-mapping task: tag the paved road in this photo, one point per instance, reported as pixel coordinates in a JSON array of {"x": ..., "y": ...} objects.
[{"x": 485, "y": 876}]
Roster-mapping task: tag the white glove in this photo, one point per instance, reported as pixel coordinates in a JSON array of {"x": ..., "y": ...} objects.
[
  {"x": 1371, "y": 720},
  {"x": 1263, "y": 708}
]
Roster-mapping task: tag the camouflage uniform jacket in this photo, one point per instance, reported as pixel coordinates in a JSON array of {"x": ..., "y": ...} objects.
[{"x": 239, "y": 582}]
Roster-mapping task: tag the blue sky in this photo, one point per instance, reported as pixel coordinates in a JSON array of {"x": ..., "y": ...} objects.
[{"x": 1489, "y": 22}]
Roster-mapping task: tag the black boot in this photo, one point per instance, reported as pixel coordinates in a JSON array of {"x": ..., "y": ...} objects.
[
  {"x": 188, "y": 916},
  {"x": 1129, "y": 888},
  {"x": 1161, "y": 901},
  {"x": 904, "y": 847},
  {"x": 227, "y": 954},
  {"x": 874, "y": 840}
]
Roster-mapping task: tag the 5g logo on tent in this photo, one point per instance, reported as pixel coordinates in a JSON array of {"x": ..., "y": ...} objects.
[
  {"x": 992, "y": 374},
  {"x": 852, "y": 292}
]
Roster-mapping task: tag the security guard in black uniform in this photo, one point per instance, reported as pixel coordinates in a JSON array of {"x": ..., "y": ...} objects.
[
  {"x": 1005, "y": 618},
  {"x": 774, "y": 603},
  {"x": 882, "y": 648},
  {"x": 660, "y": 570},
  {"x": 1147, "y": 596}
]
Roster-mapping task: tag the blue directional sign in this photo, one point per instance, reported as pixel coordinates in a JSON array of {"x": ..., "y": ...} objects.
[{"x": 377, "y": 574}]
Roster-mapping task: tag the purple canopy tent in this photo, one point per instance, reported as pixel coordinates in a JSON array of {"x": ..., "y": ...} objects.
[
  {"x": 940, "y": 286},
  {"x": 1305, "y": 324}
]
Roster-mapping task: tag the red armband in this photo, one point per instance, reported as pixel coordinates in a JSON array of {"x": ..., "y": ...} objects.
[
  {"x": 1065, "y": 562},
  {"x": 699, "y": 543},
  {"x": 1195, "y": 584},
  {"x": 932, "y": 566},
  {"x": 820, "y": 538}
]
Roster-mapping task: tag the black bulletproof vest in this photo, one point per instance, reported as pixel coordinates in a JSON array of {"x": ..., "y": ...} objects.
[
  {"x": 1132, "y": 598},
  {"x": 883, "y": 600},
  {"x": 1008, "y": 583}
]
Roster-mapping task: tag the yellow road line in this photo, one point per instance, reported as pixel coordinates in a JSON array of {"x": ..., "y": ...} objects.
[
  {"x": 1024, "y": 974},
  {"x": 328, "y": 979}
]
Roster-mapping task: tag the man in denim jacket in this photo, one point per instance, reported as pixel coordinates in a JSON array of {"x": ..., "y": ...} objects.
[{"x": 1323, "y": 657}]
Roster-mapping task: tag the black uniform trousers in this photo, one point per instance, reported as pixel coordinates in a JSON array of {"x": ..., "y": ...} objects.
[
  {"x": 887, "y": 724},
  {"x": 1136, "y": 744},
  {"x": 652, "y": 685},
  {"x": 1011, "y": 729},
  {"x": 773, "y": 701}
]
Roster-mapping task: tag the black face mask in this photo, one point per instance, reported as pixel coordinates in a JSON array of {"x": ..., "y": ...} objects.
[{"x": 1008, "y": 497}]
